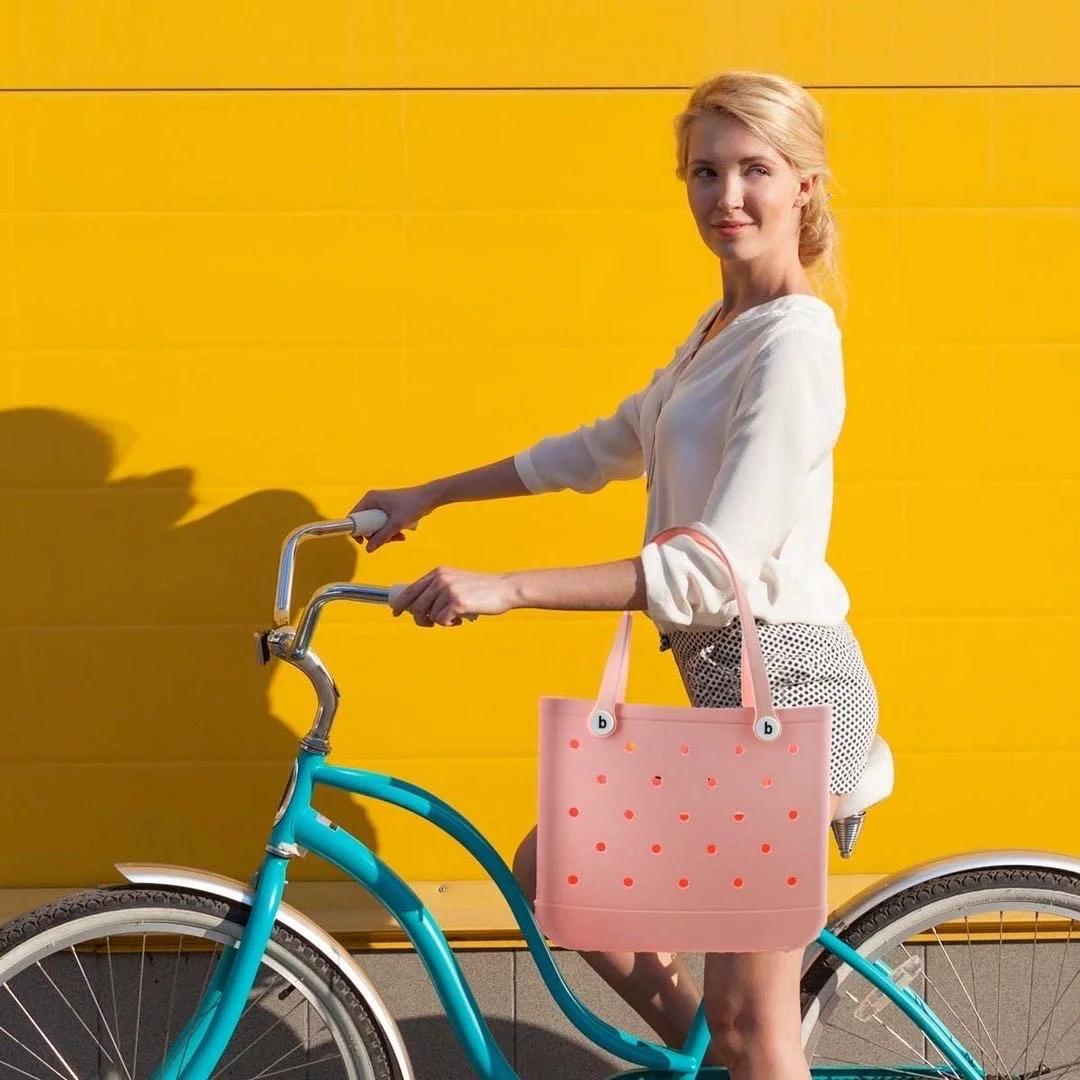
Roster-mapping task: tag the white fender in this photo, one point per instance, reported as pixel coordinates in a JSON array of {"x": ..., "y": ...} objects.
[{"x": 203, "y": 881}]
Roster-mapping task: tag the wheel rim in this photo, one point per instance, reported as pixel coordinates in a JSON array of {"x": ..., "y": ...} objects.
[
  {"x": 1000, "y": 968},
  {"x": 100, "y": 997}
]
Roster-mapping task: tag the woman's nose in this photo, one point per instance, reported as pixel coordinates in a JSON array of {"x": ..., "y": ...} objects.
[{"x": 729, "y": 195}]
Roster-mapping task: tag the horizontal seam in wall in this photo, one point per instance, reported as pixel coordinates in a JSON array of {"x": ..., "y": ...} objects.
[{"x": 497, "y": 89}]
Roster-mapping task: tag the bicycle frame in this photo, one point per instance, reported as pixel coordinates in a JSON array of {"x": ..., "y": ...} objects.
[{"x": 199, "y": 1046}]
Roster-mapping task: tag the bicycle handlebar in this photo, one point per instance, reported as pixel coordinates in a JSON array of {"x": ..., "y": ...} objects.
[{"x": 363, "y": 523}]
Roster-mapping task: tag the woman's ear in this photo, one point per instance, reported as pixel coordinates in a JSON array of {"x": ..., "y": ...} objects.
[{"x": 806, "y": 190}]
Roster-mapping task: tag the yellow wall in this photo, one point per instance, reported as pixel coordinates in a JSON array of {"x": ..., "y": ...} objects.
[{"x": 256, "y": 260}]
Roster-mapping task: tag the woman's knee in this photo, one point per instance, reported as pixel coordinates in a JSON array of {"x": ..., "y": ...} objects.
[
  {"x": 738, "y": 1036},
  {"x": 524, "y": 866}
]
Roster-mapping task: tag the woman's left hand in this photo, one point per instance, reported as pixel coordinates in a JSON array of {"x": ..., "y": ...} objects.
[{"x": 444, "y": 596}]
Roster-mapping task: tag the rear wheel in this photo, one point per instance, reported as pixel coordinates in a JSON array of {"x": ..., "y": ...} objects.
[
  {"x": 97, "y": 985},
  {"x": 995, "y": 953}
]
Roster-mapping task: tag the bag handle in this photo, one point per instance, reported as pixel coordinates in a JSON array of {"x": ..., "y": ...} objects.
[{"x": 756, "y": 693}]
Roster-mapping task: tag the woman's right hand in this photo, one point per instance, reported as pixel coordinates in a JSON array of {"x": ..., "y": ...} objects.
[{"x": 403, "y": 508}]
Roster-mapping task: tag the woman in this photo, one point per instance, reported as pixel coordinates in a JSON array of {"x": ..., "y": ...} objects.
[{"x": 735, "y": 437}]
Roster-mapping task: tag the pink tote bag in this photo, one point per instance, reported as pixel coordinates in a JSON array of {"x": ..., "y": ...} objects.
[{"x": 666, "y": 828}]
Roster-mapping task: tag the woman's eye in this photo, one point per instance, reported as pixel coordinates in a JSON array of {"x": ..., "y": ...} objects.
[
  {"x": 764, "y": 171},
  {"x": 703, "y": 171}
]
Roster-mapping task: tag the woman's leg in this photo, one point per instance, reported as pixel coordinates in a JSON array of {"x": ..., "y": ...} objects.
[
  {"x": 657, "y": 987},
  {"x": 752, "y": 1003},
  {"x": 753, "y": 1007}
]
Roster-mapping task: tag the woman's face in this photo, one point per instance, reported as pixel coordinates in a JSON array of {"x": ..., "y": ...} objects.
[{"x": 745, "y": 197}]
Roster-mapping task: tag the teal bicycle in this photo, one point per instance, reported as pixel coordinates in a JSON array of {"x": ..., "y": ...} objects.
[{"x": 956, "y": 968}]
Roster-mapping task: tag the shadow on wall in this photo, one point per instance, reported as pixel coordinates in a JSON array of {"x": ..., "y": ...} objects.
[
  {"x": 138, "y": 725},
  {"x": 535, "y": 1053}
]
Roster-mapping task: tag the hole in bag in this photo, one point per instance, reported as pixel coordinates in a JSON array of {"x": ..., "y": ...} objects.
[
  {"x": 793, "y": 748},
  {"x": 766, "y": 848},
  {"x": 601, "y": 846},
  {"x": 710, "y": 781},
  {"x": 601, "y": 778},
  {"x": 739, "y": 815},
  {"x": 574, "y": 811},
  {"x": 793, "y": 880},
  {"x": 711, "y": 849},
  {"x": 740, "y": 749},
  {"x": 657, "y": 781},
  {"x": 738, "y": 883},
  {"x": 575, "y": 743},
  {"x": 684, "y": 816},
  {"x": 766, "y": 781},
  {"x": 684, "y": 749},
  {"x": 628, "y": 814},
  {"x": 656, "y": 849},
  {"x": 630, "y": 747},
  {"x": 683, "y": 883},
  {"x": 572, "y": 879},
  {"x": 793, "y": 815},
  {"x": 628, "y": 882}
]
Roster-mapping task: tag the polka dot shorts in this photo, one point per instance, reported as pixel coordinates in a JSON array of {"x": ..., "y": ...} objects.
[{"x": 807, "y": 664}]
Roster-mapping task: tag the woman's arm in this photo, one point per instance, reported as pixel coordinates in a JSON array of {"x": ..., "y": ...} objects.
[
  {"x": 445, "y": 594},
  {"x": 499, "y": 480}
]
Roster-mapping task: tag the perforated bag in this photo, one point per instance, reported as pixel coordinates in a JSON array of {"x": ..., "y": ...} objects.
[{"x": 667, "y": 828}]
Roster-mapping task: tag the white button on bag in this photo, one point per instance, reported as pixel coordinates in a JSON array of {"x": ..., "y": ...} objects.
[
  {"x": 601, "y": 723},
  {"x": 767, "y": 728}
]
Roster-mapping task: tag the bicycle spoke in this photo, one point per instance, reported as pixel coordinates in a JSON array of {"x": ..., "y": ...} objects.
[
  {"x": 888, "y": 1049},
  {"x": 116, "y": 1018},
  {"x": 21, "y": 1072},
  {"x": 1057, "y": 988},
  {"x": 1031, "y": 991},
  {"x": 75, "y": 1013},
  {"x": 974, "y": 986},
  {"x": 48, "y": 1042},
  {"x": 945, "y": 1001},
  {"x": 37, "y": 1057},
  {"x": 138, "y": 1009},
  {"x": 293, "y": 1068},
  {"x": 288, "y": 1053},
  {"x": 280, "y": 1020},
  {"x": 97, "y": 1006},
  {"x": 172, "y": 997},
  {"x": 960, "y": 982},
  {"x": 1040, "y": 1027}
]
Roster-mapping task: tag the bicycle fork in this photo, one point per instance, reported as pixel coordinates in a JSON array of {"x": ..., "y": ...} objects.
[{"x": 197, "y": 1049}]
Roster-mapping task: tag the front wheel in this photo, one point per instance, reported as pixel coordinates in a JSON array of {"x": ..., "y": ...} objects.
[
  {"x": 995, "y": 953},
  {"x": 97, "y": 985}
]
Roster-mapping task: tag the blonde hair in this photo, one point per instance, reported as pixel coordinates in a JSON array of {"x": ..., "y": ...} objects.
[{"x": 784, "y": 115}]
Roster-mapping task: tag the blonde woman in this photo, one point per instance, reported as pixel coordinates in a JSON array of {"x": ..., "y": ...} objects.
[{"x": 735, "y": 437}]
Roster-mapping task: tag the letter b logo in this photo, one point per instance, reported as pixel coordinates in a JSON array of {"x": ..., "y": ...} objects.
[
  {"x": 767, "y": 728},
  {"x": 601, "y": 723}
]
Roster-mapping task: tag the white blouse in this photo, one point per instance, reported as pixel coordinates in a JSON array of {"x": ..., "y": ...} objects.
[{"x": 736, "y": 439}]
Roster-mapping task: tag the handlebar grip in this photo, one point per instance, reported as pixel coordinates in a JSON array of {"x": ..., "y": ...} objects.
[
  {"x": 396, "y": 590},
  {"x": 366, "y": 522}
]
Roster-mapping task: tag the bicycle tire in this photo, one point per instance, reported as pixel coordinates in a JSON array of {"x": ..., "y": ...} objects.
[
  {"x": 82, "y": 921},
  {"x": 933, "y": 913}
]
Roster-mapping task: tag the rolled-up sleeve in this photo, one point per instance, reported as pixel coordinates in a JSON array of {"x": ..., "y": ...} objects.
[
  {"x": 785, "y": 425},
  {"x": 590, "y": 457}
]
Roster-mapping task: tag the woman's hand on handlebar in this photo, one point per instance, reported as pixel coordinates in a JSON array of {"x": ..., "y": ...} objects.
[
  {"x": 403, "y": 508},
  {"x": 444, "y": 596}
]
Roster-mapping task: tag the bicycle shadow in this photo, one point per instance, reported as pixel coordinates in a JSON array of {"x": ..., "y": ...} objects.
[{"x": 139, "y": 721}]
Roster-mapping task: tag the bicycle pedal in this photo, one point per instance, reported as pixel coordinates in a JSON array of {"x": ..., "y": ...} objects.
[{"x": 876, "y": 1000}]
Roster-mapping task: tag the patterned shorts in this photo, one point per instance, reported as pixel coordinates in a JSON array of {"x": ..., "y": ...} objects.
[{"x": 807, "y": 664}]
